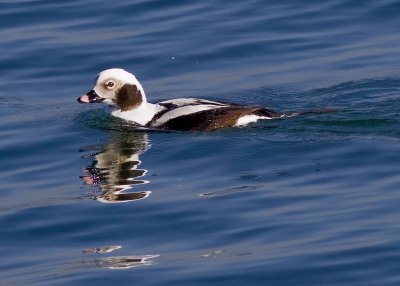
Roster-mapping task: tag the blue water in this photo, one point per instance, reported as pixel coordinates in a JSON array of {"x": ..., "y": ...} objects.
[{"x": 312, "y": 200}]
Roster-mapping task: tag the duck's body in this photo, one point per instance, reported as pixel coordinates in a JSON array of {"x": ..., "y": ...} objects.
[
  {"x": 193, "y": 114},
  {"x": 126, "y": 97}
]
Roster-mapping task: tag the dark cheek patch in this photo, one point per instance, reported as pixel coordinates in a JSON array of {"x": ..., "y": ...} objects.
[{"x": 129, "y": 97}]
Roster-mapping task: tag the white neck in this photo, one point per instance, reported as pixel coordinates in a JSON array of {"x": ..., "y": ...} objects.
[{"x": 141, "y": 115}]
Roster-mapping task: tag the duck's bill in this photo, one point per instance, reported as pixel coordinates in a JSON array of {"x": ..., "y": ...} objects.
[{"x": 90, "y": 97}]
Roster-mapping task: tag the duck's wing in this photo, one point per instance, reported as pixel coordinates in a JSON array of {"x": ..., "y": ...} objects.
[
  {"x": 215, "y": 118},
  {"x": 181, "y": 102},
  {"x": 174, "y": 108}
]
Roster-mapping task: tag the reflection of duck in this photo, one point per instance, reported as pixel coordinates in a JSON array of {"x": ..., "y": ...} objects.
[
  {"x": 115, "y": 169},
  {"x": 118, "y": 262},
  {"x": 124, "y": 262}
]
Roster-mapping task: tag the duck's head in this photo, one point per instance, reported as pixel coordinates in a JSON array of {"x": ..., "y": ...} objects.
[{"x": 116, "y": 87}]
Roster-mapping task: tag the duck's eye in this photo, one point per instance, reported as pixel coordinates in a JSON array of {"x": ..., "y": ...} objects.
[{"x": 110, "y": 85}]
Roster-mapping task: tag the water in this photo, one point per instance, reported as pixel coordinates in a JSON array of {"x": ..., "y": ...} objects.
[{"x": 311, "y": 200}]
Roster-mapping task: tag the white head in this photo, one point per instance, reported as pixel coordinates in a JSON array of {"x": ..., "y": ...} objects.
[{"x": 116, "y": 87}]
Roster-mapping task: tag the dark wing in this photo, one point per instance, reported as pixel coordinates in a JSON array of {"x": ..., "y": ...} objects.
[{"x": 213, "y": 119}]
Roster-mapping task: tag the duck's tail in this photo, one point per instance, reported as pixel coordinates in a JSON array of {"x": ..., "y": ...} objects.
[
  {"x": 316, "y": 111},
  {"x": 268, "y": 113}
]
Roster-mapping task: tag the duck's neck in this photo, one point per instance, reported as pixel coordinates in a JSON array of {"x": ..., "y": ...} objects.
[{"x": 141, "y": 115}]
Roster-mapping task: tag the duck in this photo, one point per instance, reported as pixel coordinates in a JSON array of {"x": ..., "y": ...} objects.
[{"x": 126, "y": 98}]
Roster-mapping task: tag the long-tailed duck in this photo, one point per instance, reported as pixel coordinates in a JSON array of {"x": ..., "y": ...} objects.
[{"x": 126, "y": 97}]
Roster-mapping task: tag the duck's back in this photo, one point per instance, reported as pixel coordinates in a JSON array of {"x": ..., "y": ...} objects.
[{"x": 199, "y": 114}]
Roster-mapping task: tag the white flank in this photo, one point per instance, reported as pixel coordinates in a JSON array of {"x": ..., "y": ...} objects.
[{"x": 244, "y": 120}]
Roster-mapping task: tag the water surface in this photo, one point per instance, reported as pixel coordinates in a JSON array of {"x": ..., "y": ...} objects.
[{"x": 312, "y": 200}]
